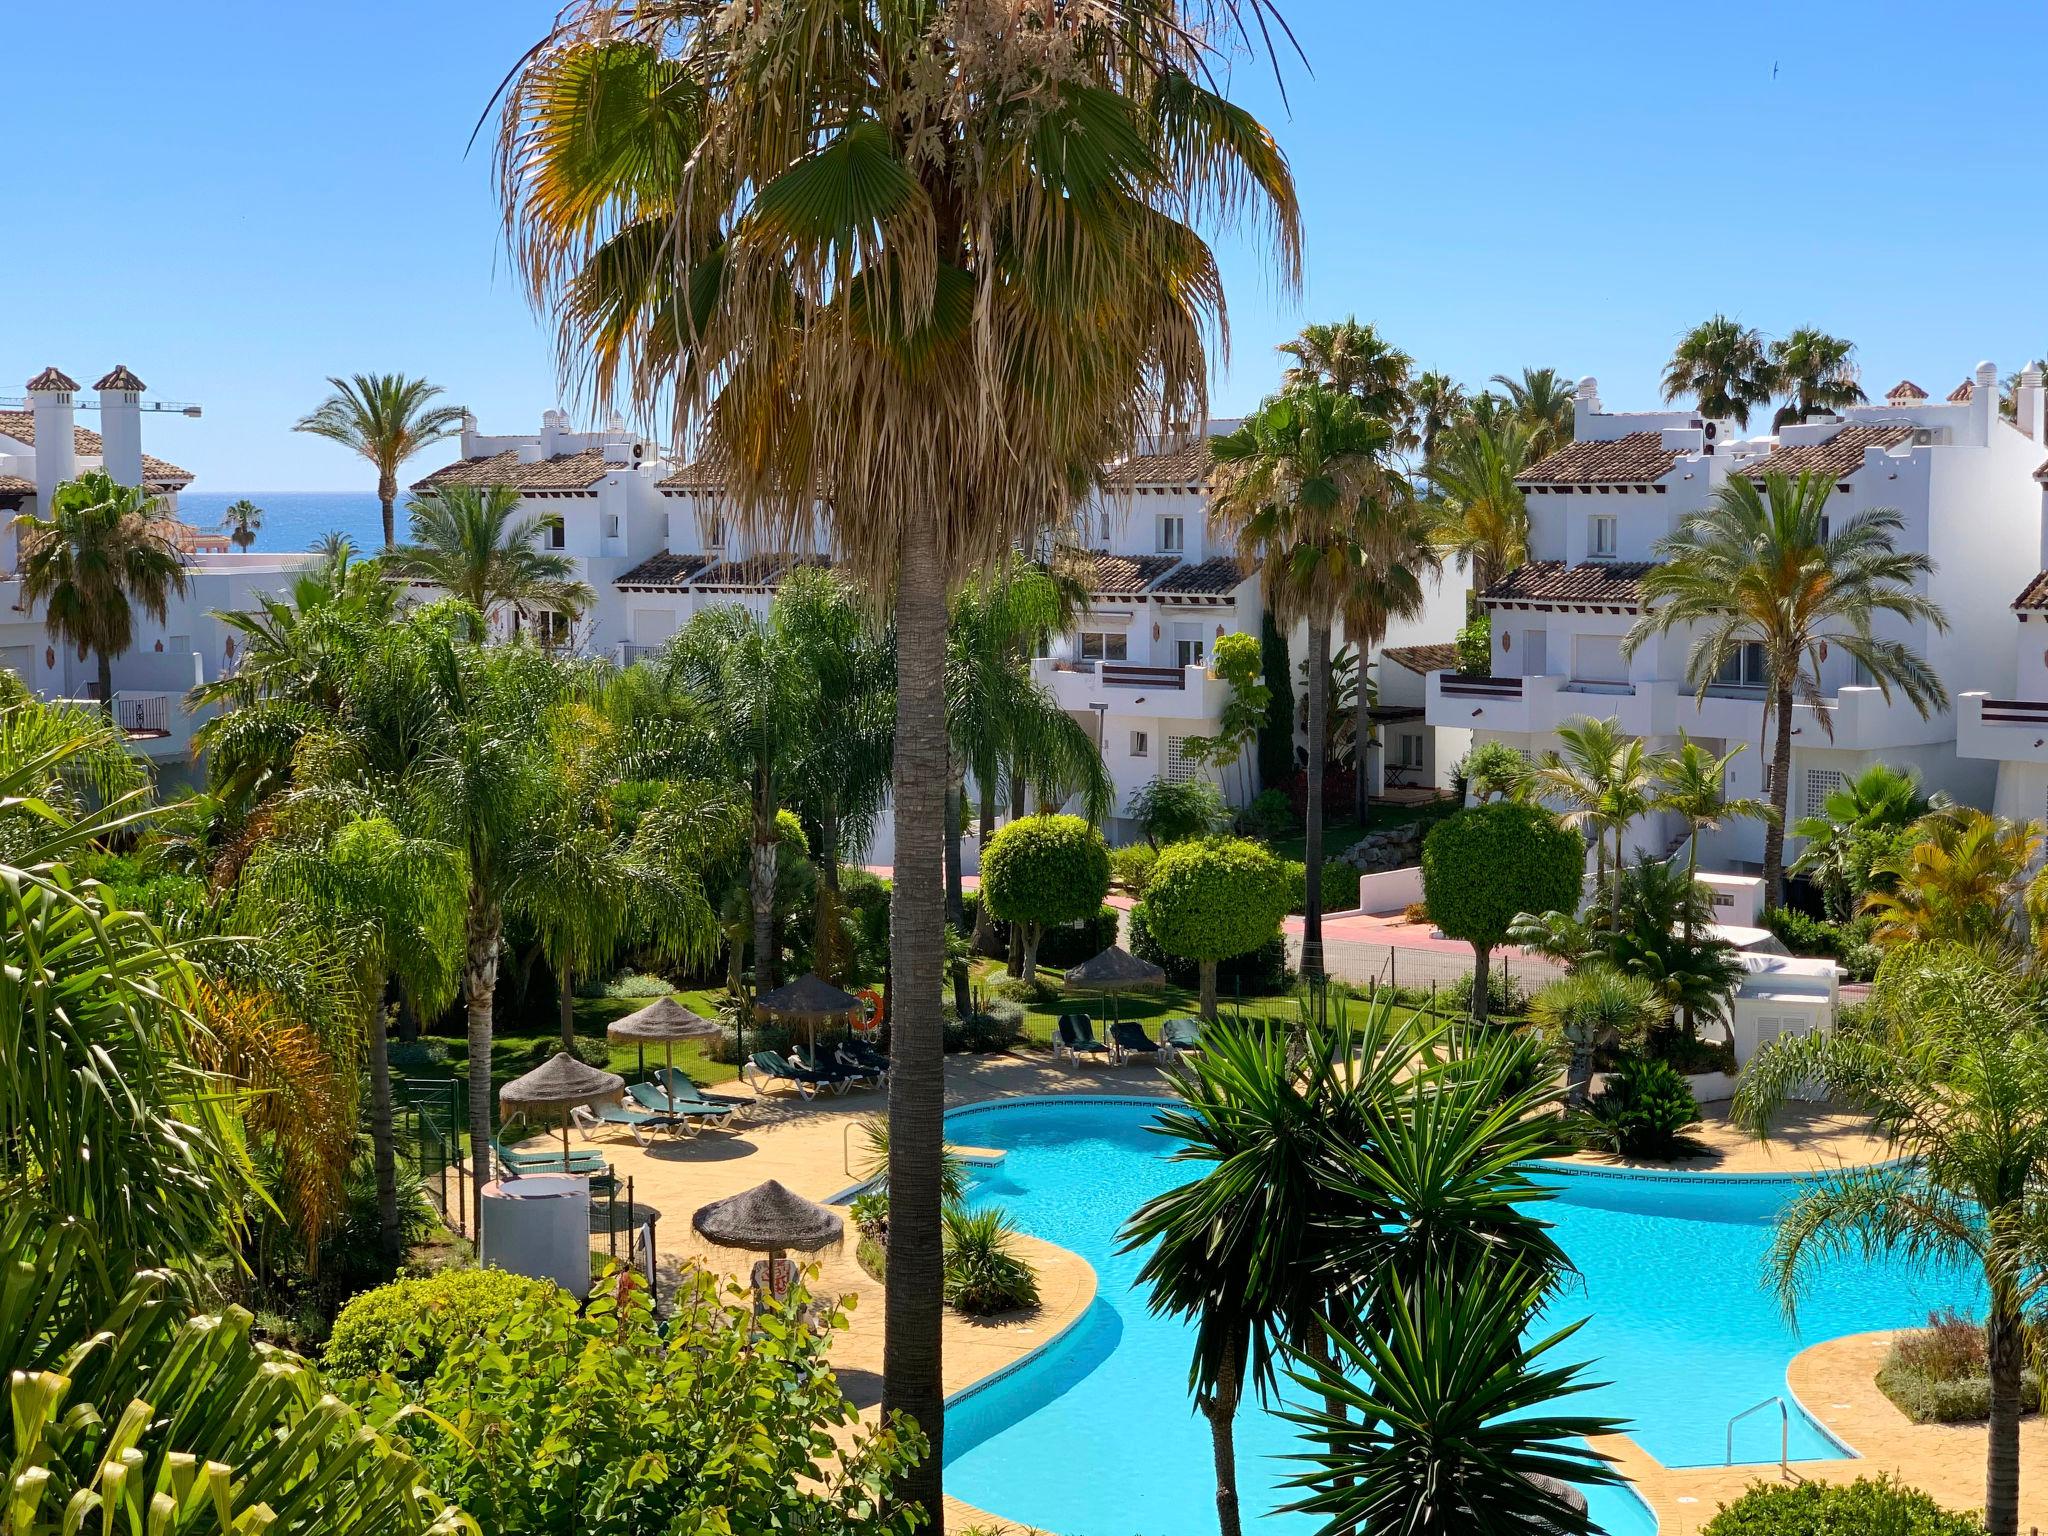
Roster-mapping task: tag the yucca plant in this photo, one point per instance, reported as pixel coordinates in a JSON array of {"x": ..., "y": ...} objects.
[{"x": 985, "y": 1273}]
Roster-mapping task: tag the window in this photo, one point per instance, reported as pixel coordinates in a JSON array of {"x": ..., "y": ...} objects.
[
  {"x": 1744, "y": 669},
  {"x": 611, "y": 525},
  {"x": 558, "y": 535},
  {"x": 1096, "y": 646},
  {"x": 551, "y": 629},
  {"x": 1601, "y": 538},
  {"x": 714, "y": 533},
  {"x": 1102, "y": 529},
  {"x": 1411, "y": 750},
  {"x": 1172, "y": 535},
  {"x": 1598, "y": 659},
  {"x": 1189, "y": 647},
  {"x": 1141, "y": 744}
]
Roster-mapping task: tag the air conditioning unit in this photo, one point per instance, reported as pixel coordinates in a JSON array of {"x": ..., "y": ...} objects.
[
  {"x": 639, "y": 451},
  {"x": 1924, "y": 437}
]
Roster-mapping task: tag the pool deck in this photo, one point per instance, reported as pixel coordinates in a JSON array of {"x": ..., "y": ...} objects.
[{"x": 811, "y": 1146}]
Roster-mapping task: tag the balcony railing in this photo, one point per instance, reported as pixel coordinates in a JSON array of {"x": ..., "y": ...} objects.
[
  {"x": 2027, "y": 712},
  {"x": 1115, "y": 675},
  {"x": 1456, "y": 686}
]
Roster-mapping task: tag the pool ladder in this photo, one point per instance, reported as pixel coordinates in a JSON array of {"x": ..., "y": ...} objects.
[{"x": 1784, "y": 1431}]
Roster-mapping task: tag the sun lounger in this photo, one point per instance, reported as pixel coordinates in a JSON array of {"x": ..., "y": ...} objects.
[
  {"x": 682, "y": 1116},
  {"x": 1127, "y": 1039},
  {"x": 829, "y": 1072},
  {"x": 683, "y": 1090},
  {"x": 515, "y": 1163},
  {"x": 858, "y": 1058},
  {"x": 1181, "y": 1037},
  {"x": 1076, "y": 1036},
  {"x": 594, "y": 1118},
  {"x": 772, "y": 1067}
]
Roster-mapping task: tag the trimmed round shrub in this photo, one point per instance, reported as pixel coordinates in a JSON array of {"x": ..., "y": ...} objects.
[
  {"x": 1488, "y": 864},
  {"x": 1256, "y": 973},
  {"x": 1823, "y": 1509},
  {"x": 1339, "y": 882},
  {"x": 1041, "y": 871},
  {"x": 1212, "y": 900},
  {"x": 404, "y": 1328},
  {"x": 1644, "y": 1110}
]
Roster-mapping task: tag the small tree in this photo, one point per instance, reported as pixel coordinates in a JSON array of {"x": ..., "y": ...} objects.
[
  {"x": 1237, "y": 660},
  {"x": 1211, "y": 900},
  {"x": 1484, "y": 865},
  {"x": 1044, "y": 869},
  {"x": 1173, "y": 811}
]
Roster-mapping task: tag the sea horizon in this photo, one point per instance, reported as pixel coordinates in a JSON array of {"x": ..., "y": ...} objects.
[{"x": 296, "y": 520}]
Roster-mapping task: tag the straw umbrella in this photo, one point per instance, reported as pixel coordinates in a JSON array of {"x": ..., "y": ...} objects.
[
  {"x": 1115, "y": 970},
  {"x": 561, "y": 1083},
  {"x": 663, "y": 1022},
  {"x": 769, "y": 1219},
  {"x": 810, "y": 999}
]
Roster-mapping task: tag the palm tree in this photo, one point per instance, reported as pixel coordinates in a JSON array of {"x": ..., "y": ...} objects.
[
  {"x": 1482, "y": 516},
  {"x": 1588, "y": 1007},
  {"x": 941, "y": 344},
  {"x": 1693, "y": 784},
  {"x": 386, "y": 418},
  {"x": 1354, "y": 359},
  {"x": 1605, "y": 781},
  {"x": 1291, "y": 486},
  {"x": 1762, "y": 568},
  {"x": 1955, "y": 1079},
  {"x": 1440, "y": 403},
  {"x": 1722, "y": 364},
  {"x": 1837, "y": 841},
  {"x": 472, "y": 543},
  {"x": 241, "y": 522},
  {"x": 104, "y": 550},
  {"x": 1544, "y": 402},
  {"x": 1817, "y": 370},
  {"x": 1395, "y": 558},
  {"x": 1965, "y": 881}
]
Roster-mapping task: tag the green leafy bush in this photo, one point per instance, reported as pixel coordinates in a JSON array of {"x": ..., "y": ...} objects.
[
  {"x": 605, "y": 1422},
  {"x": 590, "y": 1051},
  {"x": 1475, "y": 645},
  {"x": 417, "y": 1055},
  {"x": 985, "y": 1273},
  {"x": 1062, "y": 944},
  {"x": 1042, "y": 871},
  {"x": 1340, "y": 886},
  {"x": 1259, "y": 973},
  {"x": 1941, "y": 1374},
  {"x": 407, "y": 1327},
  {"x": 1215, "y": 899},
  {"x": 1865, "y": 1507},
  {"x": 637, "y": 984},
  {"x": 1270, "y": 815},
  {"x": 1175, "y": 810},
  {"x": 1802, "y": 933},
  {"x": 996, "y": 1027},
  {"x": 1036, "y": 993},
  {"x": 1131, "y": 866},
  {"x": 1505, "y": 994},
  {"x": 1643, "y": 1111},
  {"x": 1487, "y": 864}
]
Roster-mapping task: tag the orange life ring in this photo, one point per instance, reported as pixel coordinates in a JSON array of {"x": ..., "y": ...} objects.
[{"x": 871, "y": 1003}]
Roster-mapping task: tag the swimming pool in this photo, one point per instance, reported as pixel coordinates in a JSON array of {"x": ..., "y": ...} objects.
[{"x": 1096, "y": 1436}]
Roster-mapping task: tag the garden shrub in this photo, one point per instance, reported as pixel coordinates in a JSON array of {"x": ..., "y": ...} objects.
[
  {"x": 1131, "y": 866},
  {"x": 1171, "y": 811},
  {"x": 1038, "y": 993},
  {"x": 1068, "y": 944},
  {"x": 592, "y": 1052},
  {"x": 1260, "y": 973},
  {"x": 1866, "y": 1507},
  {"x": 1487, "y": 864},
  {"x": 637, "y": 984},
  {"x": 407, "y": 1327},
  {"x": 984, "y": 1272},
  {"x": 996, "y": 1027},
  {"x": 1505, "y": 995},
  {"x": 1692, "y": 1055},
  {"x": 1340, "y": 886},
  {"x": 1643, "y": 1111},
  {"x": 1340, "y": 792},
  {"x": 1802, "y": 933},
  {"x": 607, "y": 1420},
  {"x": 1042, "y": 871},
  {"x": 1213, "y": 900},
  {"x": 1941, "y": 1374},
  {"x": 417, "y": 1055},
  {"x": 1415, "y": 912},
  {"x": 1474, "y": 643},
  {"x": 1268, "y": 816}
]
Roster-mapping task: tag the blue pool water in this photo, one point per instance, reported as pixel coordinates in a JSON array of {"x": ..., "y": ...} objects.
[{"x": 1097, "y": 1437}]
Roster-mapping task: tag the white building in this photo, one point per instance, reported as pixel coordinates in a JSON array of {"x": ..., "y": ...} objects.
[
  {"x": 1960, "y": 474},
  {"x": 41, "y": 448}
]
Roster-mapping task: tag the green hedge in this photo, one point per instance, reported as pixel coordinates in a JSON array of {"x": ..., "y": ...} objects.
[
  {"x": 1881, "y": 1508},
  {"x": 1261, "y": 973},
  {"x": 404, "y": 1328},
  {"x": 1340, "y": 886}
]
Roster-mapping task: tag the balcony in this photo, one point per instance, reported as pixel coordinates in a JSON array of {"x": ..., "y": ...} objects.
[
  {"x": 1165, "y": 693},
  {"x": 2006, "y": 730}
]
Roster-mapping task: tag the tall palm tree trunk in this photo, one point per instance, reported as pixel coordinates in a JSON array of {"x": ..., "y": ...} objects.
[
  {"x": 1361, "y": 729},
  {"x": 2005, "y": 1336},
  {"x": 1781, "y": 795},
  {"x": 762, "y": 863},
  {"x": 479, "y": 993},
  {"x": 1220, "y": 1409},
  {"x": 911, "y": 1380},
  {"x": 387, "y": 499},
  {"x": 106, "y": 676},
  {"x": 382, "y": 1151},
  {"x": 1312, "y": 854},
  {"x": 565, "y": 984},
  {"x": 984, "y": 924},
  {"x": 956, "y": 890}
]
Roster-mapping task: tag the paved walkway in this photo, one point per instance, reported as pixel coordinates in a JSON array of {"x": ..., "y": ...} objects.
[{"x": 814, "y": 1148}]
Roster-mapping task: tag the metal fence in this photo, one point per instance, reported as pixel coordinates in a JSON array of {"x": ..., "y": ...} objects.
[{"x": 430, "y": 1116}]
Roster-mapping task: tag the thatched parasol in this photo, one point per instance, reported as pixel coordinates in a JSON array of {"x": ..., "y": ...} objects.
[
  {"x": 662, "y": 1022},
  {"x": 560, "y": 1083},
  {"x": 768, "y": 1219},
  {"x": 1113, "y": 971},
  {"x": 810, "y": 999}
]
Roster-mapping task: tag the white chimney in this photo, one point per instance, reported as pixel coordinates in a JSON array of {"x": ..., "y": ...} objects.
[
  {"x": 551, "y": 424},
  {"x": 121, "y": 425},
  {"x": 618, "y": 443},
  {"x": 2028, "y": 402},
  {"x": 49, "y": 398},
  {"x": 1585, "y": 406},
  {"x": 1984, "y": 401},
  {"x": 469, "y": 434}
]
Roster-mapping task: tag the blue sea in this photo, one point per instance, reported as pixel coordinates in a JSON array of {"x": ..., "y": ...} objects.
[{"x": 296, "y": 520}]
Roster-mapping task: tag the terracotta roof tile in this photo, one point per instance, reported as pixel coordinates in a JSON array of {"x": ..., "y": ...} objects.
[
  {"x": 664, "y": 570},
  {"x": 1960, "y": 395},
  {"x": 564, "y": 472},
  {"x": 52, "y": 378},
  {"x": 1215, "y": 576},
  {"x": 1838, "y": 456},
  {"x": 1189, "y": 464},
  {"x": 1128, "y": 575},
  {"x": 1904, "y": 391},
  {"x": 1605, "y": 583},
  {"x": 706, "y": 472},
  {"x": 1639, "y": 456},
  {"x": 121, "y": 378},
  {"x": 157, "y": 474},
  {"x": 14, "y": 485},
  {"x": 2035, "y": 596},
  {"x": 1423, "y": 658},
  {"x": 764, "y": 571}
]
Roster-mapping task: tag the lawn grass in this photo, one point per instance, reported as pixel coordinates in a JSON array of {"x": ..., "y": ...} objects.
[
  {"x": 1340, "y": 834},
  {"x": 1150, "y": 1007}
]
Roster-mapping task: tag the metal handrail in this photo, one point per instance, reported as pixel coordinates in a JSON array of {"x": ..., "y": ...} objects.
[{"x": 1784, "y": 1431}]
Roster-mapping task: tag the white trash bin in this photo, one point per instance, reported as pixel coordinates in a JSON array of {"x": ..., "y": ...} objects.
[{"x": 539, "y": 1226}]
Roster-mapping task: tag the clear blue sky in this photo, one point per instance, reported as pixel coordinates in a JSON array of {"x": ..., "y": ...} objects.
[{"x": 237, "y": 199}]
